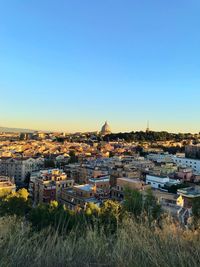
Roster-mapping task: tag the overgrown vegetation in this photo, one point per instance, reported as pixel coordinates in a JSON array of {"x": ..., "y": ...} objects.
[
  {"x": 134, "y": 244},
  {"x": 135, "y": 233}
]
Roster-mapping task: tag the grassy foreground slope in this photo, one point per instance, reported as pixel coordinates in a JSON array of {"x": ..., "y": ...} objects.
[{"x": 133, "y": 244}]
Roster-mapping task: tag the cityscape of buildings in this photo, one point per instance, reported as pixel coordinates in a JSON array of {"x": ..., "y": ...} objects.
[{"x": 77, "y": 169}]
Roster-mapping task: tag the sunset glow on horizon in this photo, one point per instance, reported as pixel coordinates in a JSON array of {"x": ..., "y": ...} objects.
[{"x": 71, "y": 65}]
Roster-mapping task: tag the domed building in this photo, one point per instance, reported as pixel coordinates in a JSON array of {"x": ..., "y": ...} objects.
[{"x": 105, "y": 129}]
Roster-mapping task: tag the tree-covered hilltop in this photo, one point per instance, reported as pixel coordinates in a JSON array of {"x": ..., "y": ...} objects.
[
  {"x": 138, "y": 136},
  {"x": 150, "y": 136}
]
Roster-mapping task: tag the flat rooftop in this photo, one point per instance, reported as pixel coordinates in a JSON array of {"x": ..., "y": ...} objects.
[
  {"x": 190, "y": 192},
  {"x": 85, "y": 187},
  {"x": 158, "y": 176},
  {"x": 101, "y": 179},
  {"x": 131, "y": 180}
]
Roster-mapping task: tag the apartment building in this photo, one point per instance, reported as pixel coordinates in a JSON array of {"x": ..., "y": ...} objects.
[
  {"x": 117, "y": 191},
  {"x": 79, "y": 196},
  {"x": 46, "y": 185},
  {"x": 159, "y": 182},
  {"x": 187, "y": 162},
  {"x": 18, "y": 168}
]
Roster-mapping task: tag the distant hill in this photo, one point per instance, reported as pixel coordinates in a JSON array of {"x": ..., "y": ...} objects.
[{"x": 15, "y": 130}]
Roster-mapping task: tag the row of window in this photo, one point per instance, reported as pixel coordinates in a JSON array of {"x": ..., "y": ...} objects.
[{"x": 180, "y": 161}]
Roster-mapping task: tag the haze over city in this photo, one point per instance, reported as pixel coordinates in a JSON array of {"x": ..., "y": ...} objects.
[{"x": 71, "y": 65}]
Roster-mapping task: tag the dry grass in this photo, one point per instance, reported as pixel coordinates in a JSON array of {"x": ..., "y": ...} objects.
[{"x": 133, "y": 245}]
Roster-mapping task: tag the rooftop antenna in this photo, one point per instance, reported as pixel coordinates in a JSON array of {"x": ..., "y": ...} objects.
[{"x": 148, "y": 129}]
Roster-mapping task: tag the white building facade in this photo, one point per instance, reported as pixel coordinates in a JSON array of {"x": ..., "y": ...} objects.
[
  {"x": 159, "y": 182},
  {"x": 186, "y": 162}
]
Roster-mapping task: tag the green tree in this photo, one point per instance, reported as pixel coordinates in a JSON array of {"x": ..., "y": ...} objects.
[
  {"x": 110, "y": 215},
  {"x": 27, "y": 179},
  {"x": 15, "y": 203},
  {"x": 140, "y": 204},
  {"x": 73, "y": 157},
  {"x": 111, "y": 154},
  {"x": 133, "y": 202},
  {"x": 151, "y": 207},
  {"x": 49, "y": 163},
  {"x": 92, "y": 209},
  {"x": 196, "y": 211},
  {"x": 54, "y": 215}
]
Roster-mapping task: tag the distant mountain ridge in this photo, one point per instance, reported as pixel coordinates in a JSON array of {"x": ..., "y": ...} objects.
[{"x": 15, "y": 130}]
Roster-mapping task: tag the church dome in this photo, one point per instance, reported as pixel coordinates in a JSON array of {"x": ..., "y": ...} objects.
[{"x": 105, "y": 129}]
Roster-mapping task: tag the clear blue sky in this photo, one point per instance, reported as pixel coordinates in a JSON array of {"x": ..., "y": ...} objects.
[{"x": 72, "y": 64}]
